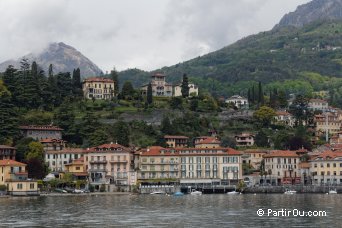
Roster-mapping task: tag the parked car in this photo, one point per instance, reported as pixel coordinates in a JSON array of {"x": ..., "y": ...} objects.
[
  {"x": 60, "y": 190},
  {"x": 69, "y": 190},
  {"x": 85, "y": 190},
  {"x": 77, "y": 191}
]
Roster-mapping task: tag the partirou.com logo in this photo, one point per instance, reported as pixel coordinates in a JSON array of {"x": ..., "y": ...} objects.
[{"x": 290, "y": 212}]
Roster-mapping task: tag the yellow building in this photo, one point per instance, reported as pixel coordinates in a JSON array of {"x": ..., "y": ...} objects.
[
  {"x": 77, "y": 169},
  {"x": 326, "y": 168},
  {"x": 207, "y": 142},
  {"x": 98, "y": 88},
  {"x": 253, "y": 157},
  {"x": 13, "y": 175},
  {"x": 176, "y": 140}
]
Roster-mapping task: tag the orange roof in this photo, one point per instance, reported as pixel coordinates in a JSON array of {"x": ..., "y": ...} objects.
[
  {"x": 160, "y": 151},
  {"x": 329, "y": 155},
  {"x": 7, "y": 162},
  {"x": 209, "y": 140},
  {"x": 68, "y": 151},
  {"x": 97, "y": 79},
  {"x": 107, "y": 147},
  {"x": 175, "y": 137},
  {"x": 41, "y": 127},
  {"x": 283, "y": 113},
  {"x": 255, "y": 151},
  {"x": 281, "y": 153},
  {"x": 79, "y": 161}
]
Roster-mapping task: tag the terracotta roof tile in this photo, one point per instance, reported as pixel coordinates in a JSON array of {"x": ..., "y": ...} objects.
[
  {"x": 6, "y": 147},
  {"x": 41, "y": 127},
  {"x": 175, "y": 137},
  {"x": 98, "y": 79},
  {"x": 281, "y": 153},
  {"x": 7, "y": 162},
  {"x": 209, "y": 140}
]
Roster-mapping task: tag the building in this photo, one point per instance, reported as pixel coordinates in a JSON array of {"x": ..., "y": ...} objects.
[
  {"x": 39, "y": 132},
  {"x": 253, "y": 157},
  {"x": 190, "y": 165},
  {"x": 77, "y": 169},
  {"x": 52, "y": 144},
  {"x": 207, "y": 142},
  {"x": 336, "y": 138},
  {"x": 176, "y": 141},
  {"x": 238, "y": 101},
  {"x": 285, "y": 118},
  {"x": 327, "y": 122},
  {"x": 318, "y": 105},
  {"x": 282, "y": 167},
  {"x": 160, "y": 88},
  {"x": 57, "y": 159},
  {"x": 98, "y": 88},
  {"x": 14, "y": 176},
  {"x": 326, "y": 168},
  {"x": 110, "y": 165},
  {"x": 193, "y": 90},
  {"x": 244, "y": 139},
  {"x": 7, "y": 152}
]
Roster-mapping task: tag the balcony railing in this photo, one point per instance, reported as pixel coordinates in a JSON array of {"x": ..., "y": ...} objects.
[
  {"x": 98, "y": 162},
  {"x": 118, "y": 161}
]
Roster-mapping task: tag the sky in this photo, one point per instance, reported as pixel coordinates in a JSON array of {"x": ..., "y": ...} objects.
[{"x": 144, "y": 34}]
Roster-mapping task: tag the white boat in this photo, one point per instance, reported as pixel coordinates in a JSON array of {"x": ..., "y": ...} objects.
[
  {"x": 195, "y": 192},
  {"x": 290, "y": 192},
  {"x": 332, "y": 191},
  {"x": 233, "y": 193},
  {"x": 157, "y": 192}
]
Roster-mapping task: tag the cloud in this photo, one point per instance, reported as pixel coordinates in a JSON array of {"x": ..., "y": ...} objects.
[{"x": 134, "y": 33}]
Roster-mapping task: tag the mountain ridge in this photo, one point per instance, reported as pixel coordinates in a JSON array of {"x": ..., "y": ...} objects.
[{"x": 63, "y": 57}]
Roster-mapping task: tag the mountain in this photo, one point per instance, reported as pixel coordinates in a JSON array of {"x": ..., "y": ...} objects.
[
  {"x": 313, "y": 11},
  {"x": 286, "y": 54},
  {"x": 64, "y": 58}
]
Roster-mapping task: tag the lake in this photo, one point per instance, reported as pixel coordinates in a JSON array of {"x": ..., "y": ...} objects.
[{"x": 218, "y": 210}]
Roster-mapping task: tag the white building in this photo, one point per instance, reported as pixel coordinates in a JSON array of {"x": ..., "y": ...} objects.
[
  {"x": 244, "y": 139},
  {"x": 318, "y": 105},
  {"x": 285, "y": 118},
  {"x": 98, "y": 88},
  {"x": 160, "y": 87},
  {"x": 238, "y": 101},
  {"x": 57, "y": 160}
]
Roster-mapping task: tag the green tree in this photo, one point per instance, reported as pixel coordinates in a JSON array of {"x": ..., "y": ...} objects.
[
  {"x": 194, "y": 105},
  {"x": 149, "y": 94},
  {"x": 299, "y": 109},
  {"x": 35, "y": 161},
  {"x": 22, "y": 146},
  {"x": 8, "y": 116},
  {"x": 166, "y": 126},
  {"x": 50, "y": 70},
  {"x": 282, "y": 99},
  {"x": 98, "y": 137},
  {"x": 127, "y": 90},
  {"x": 264, "y": 115},
  {"x": 185, "y": 86},
  {"x": 261, "y": 95},
  {"x": 176, "y": 103},
  {"x": 77, "y": 84},
  {"x": 261, "y": 139},
  {"x": 120, "y": 133},
  {"x": 114, "y": 76}
]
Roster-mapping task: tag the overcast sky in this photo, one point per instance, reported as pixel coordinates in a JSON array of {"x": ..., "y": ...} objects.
[{"x": 145, "y": 34}]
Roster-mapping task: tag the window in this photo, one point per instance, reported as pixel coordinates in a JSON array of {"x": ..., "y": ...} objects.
[
  {"x": 328, "y": 165},
  {"x": 78, "y": 168},
  {"x": 32, "y": 186},
  {"x": 19, "y": 186},
  {"x": 334, "y": 165}
]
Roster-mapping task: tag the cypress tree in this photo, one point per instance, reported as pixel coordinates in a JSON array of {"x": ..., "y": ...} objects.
[
  {"x": 50, "y": 70},
  {"x": 149, "y": 94},
  {"x": 8, "y": 116},
  {"x": 260, "y": 95},
  {"x": 76, "y": 81},
  {"x": 185, "y": 86},
  {"x": 127, "y": 89},
  {"x": 115, "y": 78}
]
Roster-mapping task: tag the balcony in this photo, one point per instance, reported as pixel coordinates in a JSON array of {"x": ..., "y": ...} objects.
[
  {"x": 118, "y": 161},
  {"x": 97, "y": 170},
  {"x": 98, "y": 162}
]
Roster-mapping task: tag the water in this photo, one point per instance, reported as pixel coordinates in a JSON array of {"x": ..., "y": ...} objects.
[{"x": 167, "y": 211}]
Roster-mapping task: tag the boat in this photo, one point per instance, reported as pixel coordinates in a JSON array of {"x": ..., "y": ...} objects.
[
  {"x": 332, "y": 191},
  {"x": 290, "y": 192},
  {"x": 233, "y": 193},
  {"x": 195, "y": 192},
  {"x": 178, "y": 194},
  {"x": 157, "y": 193}
]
